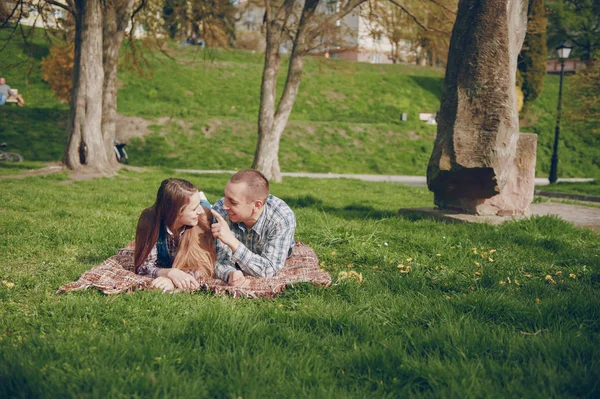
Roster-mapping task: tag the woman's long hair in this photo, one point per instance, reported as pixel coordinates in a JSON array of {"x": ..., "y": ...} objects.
[{"x": 196, "y": 251}]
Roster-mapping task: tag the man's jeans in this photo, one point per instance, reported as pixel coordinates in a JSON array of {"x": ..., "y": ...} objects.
[{"x": 2, "y": 98}]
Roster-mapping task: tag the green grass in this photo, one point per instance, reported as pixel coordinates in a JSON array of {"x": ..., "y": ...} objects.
[
  {"x": 588, "y": 188},
  {"x": 346, "y": 118},
  {"x": 457, "y": 325}
]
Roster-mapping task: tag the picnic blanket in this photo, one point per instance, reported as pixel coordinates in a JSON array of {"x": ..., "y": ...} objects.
[{"x": 116, "y": 275}]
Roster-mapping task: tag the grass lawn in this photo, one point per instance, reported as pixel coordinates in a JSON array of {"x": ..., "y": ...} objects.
[
  {"x": 444, "y": 310},
  {"x": 587, "y": 188},
  {"x": 346, "y": 118}
]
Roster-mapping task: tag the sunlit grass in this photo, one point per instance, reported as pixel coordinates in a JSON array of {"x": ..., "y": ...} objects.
[{"x": 439, "y": 310}]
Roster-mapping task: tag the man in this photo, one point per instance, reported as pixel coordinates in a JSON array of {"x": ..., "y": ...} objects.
[
  {"x": 6, "y": 92},
  {"x": 4, "y": 88},
  {"x": 255, "y": 230}
]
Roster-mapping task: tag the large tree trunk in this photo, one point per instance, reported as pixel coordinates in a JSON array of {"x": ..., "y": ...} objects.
[
  {"x": 116, "y": 17},
  {"x": 86, "y": 148}
]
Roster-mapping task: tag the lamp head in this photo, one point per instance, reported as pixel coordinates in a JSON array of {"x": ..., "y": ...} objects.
[{"x": 564, "y": 50}]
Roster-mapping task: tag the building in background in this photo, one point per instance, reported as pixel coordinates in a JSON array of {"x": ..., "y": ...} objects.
[{"x": 359, "y": 39}]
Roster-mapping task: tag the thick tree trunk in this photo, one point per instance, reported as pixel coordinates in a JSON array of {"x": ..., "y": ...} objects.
[
  {"x": 116, "y": 17},
  {"x": 86, "y": 148}
]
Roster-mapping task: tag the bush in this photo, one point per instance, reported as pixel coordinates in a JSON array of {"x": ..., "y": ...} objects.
[
  {"x": 532, "y": 59},
  {"x": 57, "y": 70},
  {"x": 250, "y": 40}
]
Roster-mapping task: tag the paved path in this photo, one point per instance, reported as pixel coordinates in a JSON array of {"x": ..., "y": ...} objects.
[
  {"x": 410, "y": 180},
  {"x": 577, "y": 214}
]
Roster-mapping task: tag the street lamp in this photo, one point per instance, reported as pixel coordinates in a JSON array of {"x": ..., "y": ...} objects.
[{"x": 563, "y": 53}]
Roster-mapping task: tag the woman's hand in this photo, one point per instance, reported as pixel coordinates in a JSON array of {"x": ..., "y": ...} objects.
[
  {"x": 237, "y": 279},
  {"x": 164, "y": 284},
  {"x": 182, "y": 280}
]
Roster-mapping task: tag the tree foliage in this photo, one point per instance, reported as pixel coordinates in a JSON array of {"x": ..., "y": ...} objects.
[
  {"x": 577, "y": 21},
  {"x": 57, "y": 70},
  {"x": 585, "y": 97},
  {"x": 422, "y": 28},
  {"x": 532, "y": 58},
  {"x": 212, "y": 21}
]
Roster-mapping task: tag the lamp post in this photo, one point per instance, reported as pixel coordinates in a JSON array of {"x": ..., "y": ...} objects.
[{"x": 563, "y": 53}]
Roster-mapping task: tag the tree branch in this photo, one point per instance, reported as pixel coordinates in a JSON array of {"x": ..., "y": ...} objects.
[
  {"x": 60, "y": 5},
  {"x": 443, "y": 6},
  {"x": 414, "y": 18}
]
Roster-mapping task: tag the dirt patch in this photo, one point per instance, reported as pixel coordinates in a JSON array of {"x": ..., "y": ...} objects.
[
  {"x": 331, "y": 95},
  {"x": 129, "y": 127},
  {"x": 54, "y": 167}
]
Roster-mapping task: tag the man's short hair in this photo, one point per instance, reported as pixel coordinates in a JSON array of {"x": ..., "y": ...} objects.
[{"x": 257, "y": 183}]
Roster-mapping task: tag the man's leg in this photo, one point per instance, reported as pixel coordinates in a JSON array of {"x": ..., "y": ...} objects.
[{"x": 2, "y": 99}]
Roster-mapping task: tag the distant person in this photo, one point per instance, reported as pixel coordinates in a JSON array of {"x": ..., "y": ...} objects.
[
  {"x": 6, "y": 91},
  {"x": 173, "y": 241},
  {"x": 255, "y": 230},
  {"x": 4, "y": 88}
]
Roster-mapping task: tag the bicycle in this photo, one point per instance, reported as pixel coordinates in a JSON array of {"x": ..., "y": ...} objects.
[{"x": 9, "y": 156}]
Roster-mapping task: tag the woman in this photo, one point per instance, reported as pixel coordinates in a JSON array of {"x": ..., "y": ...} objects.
[{"x": 173, "y": 240}]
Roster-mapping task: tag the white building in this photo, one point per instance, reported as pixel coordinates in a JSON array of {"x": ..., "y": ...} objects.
[{"x": 357, "y": 40}]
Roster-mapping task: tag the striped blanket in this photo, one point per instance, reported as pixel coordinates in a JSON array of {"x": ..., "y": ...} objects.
[{"x": 115, "y": 275}]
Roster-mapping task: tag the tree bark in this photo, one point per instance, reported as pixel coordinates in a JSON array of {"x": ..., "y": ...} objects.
[
  {"x": 116, "y": 18},
  {"x": 267, "y": 147},
  {"x": 86, "y": 148}
]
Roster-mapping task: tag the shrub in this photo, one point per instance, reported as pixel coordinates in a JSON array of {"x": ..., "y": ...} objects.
[
  {"x": 57, "y": 70},
  {"x": 250, "y": 40},
  {"x": 532, "y": 59}
]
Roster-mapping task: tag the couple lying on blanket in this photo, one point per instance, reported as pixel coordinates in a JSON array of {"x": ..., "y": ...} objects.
[{"x": 175, "y": 238}]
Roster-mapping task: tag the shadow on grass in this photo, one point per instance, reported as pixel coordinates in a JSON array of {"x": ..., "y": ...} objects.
[
  {"x": 38, "y": 134},
  {"x": 430, "y": 84},
  {"x": 349, "y": 212}
]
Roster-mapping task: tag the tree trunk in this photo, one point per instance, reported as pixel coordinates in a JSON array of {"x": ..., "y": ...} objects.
[
  {"x": 271, "y": 125},
  {"x": 86, "y": 148},
  {"x": 267, "y": 147},
  {"x": 116, "y": 17}
]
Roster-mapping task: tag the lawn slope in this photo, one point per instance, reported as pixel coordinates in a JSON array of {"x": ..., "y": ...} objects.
[{"x": 202, "y": 108}]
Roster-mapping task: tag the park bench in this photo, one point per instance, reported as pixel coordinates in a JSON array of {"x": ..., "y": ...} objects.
[{"x": 15, "y": 98}]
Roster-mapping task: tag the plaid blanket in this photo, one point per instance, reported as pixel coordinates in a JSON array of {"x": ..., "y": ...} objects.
[{"x": 115, "y": 275}]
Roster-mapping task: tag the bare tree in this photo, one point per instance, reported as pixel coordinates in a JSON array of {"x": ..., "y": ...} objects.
[
  {"x": 86, "y": 148},
  {"x": 100, "y": 26},
  {"x": 306, "y": 29},
  {"x": 273, "y": 118}
]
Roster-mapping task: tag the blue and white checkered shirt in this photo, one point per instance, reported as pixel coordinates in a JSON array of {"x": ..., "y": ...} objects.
[{"x": 264, "y": 248}]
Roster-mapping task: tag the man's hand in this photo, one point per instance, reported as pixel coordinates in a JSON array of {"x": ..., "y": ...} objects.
[
  {"x": 182, "y": 280},
  {"x": 164, "y": 284},
  {"x": 237, "y": 279},
  {"x": 221, "y": 230}
]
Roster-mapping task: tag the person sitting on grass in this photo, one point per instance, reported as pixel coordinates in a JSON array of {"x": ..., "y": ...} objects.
[
  {"x": 6, "y": 92},
  {"x": 173, "y": 240},
  {"x": 255, "y": 230}
]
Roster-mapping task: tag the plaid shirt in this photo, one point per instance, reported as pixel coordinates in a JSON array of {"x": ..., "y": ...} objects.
[
  {"x": 264, "y": 248},
  {"x": 149, "y": 267}
]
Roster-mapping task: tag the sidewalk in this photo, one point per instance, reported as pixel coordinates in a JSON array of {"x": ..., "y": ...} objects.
[{"x": 410, "y": 180}]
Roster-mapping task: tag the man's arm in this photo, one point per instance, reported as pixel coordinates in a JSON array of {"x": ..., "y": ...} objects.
[
  {"x": 224, "y": 265},
  {"x": 274, "y": 254}
]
